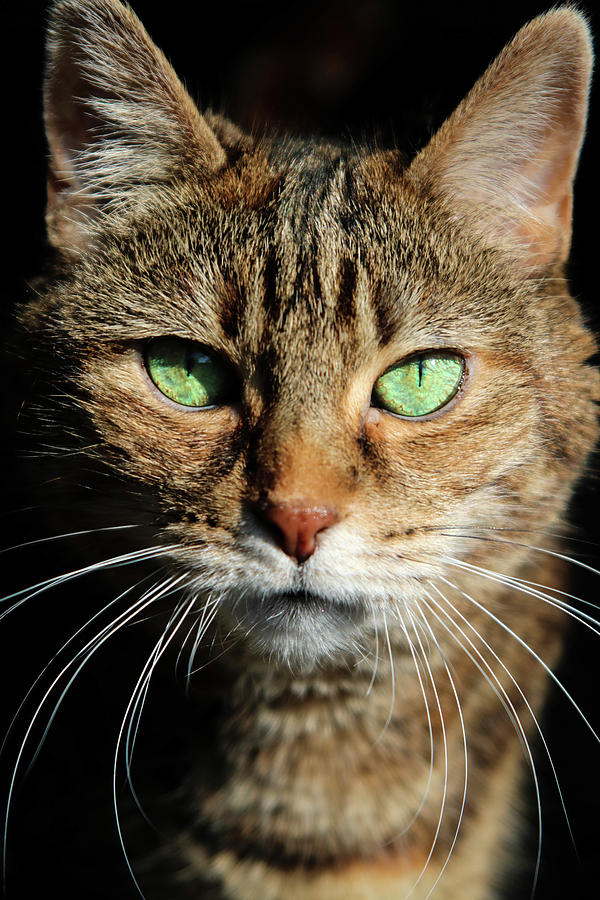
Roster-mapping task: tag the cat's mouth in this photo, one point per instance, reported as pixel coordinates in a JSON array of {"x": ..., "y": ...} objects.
[
  {"x": 295, "y": 603},
  {"x": 301, "y": 602},
  {"x": 305, "y": 598},
  {"x": 298, "y": 625}
]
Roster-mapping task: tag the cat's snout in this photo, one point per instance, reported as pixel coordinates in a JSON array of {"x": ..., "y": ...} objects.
[{"x": 296, "y": 526}]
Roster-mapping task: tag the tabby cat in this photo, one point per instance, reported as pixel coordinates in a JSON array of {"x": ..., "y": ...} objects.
[{"x": 330, "y": 409}]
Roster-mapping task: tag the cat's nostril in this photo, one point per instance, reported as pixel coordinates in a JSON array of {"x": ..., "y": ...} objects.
[{"x": 297, "y": 526}]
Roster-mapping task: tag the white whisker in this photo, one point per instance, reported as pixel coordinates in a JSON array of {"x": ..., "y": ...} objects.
[
  {"x": 445, "y": 749},
  {"x": 555, "y": 553},
  {"x": 413, "y": 651},
  {"x": 525, "y": 645},
  {"x": 140, "y": 691},
  {"x": 60, "y": 651},
  {"x": 67, "y": 534},
  {"x": 86, "y": 652},
  {"x": 465, "y": 751},
  {"x": 393, "y": 680},
  {"x": 133, "y": 556},
  {"x": 494, "y": 682},
  {"x": 203, "y": 624},
  {"x": 376, "y": 662}
]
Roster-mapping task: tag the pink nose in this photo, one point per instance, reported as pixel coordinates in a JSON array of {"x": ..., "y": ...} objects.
[{"x": 297, "y": 526}]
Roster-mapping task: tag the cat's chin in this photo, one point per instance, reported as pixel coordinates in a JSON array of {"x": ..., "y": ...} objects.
[{"x": 299, "y": 629}]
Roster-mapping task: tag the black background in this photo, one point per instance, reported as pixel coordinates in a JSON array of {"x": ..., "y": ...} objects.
[{"x": 373, "y": 68}]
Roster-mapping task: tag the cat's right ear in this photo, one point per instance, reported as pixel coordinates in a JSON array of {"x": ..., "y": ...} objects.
[
  {"x": 118, "y": 120},
  {"x": 505, "y": 160}
]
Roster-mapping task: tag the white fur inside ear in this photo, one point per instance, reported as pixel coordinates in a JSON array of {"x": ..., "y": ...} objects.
[
  {"x": 506, "y": 158},
  {"x": 118, "y": 119}
]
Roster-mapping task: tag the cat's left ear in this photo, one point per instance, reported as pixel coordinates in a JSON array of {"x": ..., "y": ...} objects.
[
  {"x": 118, "y": 120},
  {"x": 505, "y": 160}
]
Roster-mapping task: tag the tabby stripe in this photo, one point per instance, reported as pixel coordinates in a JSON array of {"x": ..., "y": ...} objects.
[
  {"x": 316, "y": 278},
  {"x": 271, "y": 298},
  {"x": 386, "y": 319},
  {"x": 232, "y": 311},
  {"x": 346, "y": 305}
]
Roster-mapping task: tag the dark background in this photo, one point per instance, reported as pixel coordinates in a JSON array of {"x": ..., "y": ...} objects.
[{"x": 376, "y": 68}]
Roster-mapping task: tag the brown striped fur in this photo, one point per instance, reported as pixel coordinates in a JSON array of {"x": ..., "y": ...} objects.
[{"x": 312, "y": 268}]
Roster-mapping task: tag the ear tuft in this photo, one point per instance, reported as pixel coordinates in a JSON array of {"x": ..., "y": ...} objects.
[
  {"x": 506, "y": 159},
  {"x": 117, "y": 117}
]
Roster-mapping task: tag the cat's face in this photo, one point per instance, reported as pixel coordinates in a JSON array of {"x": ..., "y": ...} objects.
[
  {"x": 307, "y": 504},
  {"x": 305, "y": 325}
]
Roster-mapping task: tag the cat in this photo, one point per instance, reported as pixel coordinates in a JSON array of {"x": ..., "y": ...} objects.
[{"x": 325, "y": 411}]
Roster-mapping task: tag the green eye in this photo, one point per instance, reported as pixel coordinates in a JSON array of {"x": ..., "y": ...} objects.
[
  {"x": 186, "y": 374},
  {"x": 420, "y": 385}
]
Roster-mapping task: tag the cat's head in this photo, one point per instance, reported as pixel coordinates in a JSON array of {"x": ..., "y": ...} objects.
[{"x": 327, "y": 374}]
